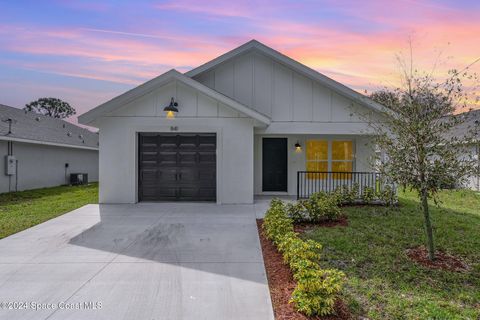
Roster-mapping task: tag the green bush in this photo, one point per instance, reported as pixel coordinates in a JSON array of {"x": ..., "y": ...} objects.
[
  {"x": 316, "y": 289},
  {"x": 296, "y": 211},
  {"x": 354, "y": 192},
  {"x": 277, "y": 221},
  {"x": 347, "y": 196},
  {"x": 368, "y": 195},
  {"x": 322, "y": 206},
  {"x": 387, "y": 195}
]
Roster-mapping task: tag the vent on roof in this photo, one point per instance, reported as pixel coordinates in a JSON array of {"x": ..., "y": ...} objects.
[
  {"x": 63, "y": 125},
  {"x": 80, "y": 136},
  {"x": 83, "y": 141},
  {"x": 69, "y": 134},
  {"x": 37, "y": 118}
]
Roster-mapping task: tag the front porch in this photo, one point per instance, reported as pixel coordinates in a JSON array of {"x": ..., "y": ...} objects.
[{"x": 295, "y": 165}]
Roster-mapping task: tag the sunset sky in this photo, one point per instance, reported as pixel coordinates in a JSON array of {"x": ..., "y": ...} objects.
[{"x": 87, "y": 52}]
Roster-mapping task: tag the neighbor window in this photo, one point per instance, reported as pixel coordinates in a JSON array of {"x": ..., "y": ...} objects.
[{"x": 324, "y": 155}]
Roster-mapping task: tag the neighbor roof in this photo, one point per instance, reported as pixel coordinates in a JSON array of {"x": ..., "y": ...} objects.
[
  {"x": 165, "y": 78},
  {"x": 32, "y": 127},
  {"x": 295, "y": 65}
]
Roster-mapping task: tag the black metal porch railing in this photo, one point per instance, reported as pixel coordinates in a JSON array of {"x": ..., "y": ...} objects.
[{"x": 309, "y": 182}]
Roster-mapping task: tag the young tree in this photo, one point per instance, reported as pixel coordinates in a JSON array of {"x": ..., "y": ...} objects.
[
  {"x": 52, "y": 107},
  {"x": 420, "y": 149}
]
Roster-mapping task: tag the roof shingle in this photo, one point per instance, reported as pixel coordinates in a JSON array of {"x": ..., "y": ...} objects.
[{"x": 43, "y": 129}]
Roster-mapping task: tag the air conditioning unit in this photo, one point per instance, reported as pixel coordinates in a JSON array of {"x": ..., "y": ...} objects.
[{"x": 78, "y": 178}]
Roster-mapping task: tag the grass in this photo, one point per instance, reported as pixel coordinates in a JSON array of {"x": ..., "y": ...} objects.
[
  {"x": 24, "y": 209},
  {"x": 383, "y": 283}
]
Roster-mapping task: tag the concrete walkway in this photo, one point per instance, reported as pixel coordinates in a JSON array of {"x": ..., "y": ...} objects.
[{"x": 145, "y": 261}]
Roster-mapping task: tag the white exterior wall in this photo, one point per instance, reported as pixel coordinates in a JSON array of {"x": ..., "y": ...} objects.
[
  {"x": 473, "y": 182},
  {"x": 198, "y": 113},
  {"x": 41, "y": 166},
  {"x": 297, "y": 161},
  {"x": 289, "y": 98}
]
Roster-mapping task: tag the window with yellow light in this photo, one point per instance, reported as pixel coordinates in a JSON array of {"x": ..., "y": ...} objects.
[
  {"x": 342, "y": 159},
  {"x": 317, "y": 158}
]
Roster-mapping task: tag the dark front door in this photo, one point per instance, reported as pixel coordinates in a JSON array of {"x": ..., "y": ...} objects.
[
  {"x": 274, "y": 164},
  {"x": 177, "y": 167}
]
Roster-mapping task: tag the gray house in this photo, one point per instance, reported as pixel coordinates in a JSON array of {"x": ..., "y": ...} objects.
[
  {"x": 37, "y": 151},
  {"x": 472, "y": 123}
]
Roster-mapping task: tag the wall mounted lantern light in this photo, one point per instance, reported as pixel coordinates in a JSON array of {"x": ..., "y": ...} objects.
[
  {"x": 298, "y": 147},
  {"x": 171, "y": 109}
]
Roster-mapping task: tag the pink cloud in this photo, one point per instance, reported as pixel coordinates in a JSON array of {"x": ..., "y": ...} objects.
[{"x": 362, "y": 59}]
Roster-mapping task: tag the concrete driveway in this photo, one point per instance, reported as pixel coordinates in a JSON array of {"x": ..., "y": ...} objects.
[{"x": 145, "y": 261}]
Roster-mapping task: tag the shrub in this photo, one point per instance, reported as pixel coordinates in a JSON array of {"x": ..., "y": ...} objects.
[
  {"x": 368, "y": 195},
  {"x": 296, "y": 211},
  {"x": 322, "y": 206},
  {"x": 339, "y": 196},
  {"x": 387, "y": 195},
  {"x": 354, "y": 192},
  {"x": 316, "y": 288},
  {"x": 347, "y": 195},
  {"x": 277, "y": 221}
]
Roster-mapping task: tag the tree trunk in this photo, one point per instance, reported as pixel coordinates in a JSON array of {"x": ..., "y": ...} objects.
[{"x": 428, "y": 225}]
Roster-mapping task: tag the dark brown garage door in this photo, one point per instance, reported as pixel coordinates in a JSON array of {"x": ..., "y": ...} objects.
[{"x": 177, "y": 167}]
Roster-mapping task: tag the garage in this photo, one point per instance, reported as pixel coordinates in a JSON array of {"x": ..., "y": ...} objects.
[{"x": 177, "y": 167}]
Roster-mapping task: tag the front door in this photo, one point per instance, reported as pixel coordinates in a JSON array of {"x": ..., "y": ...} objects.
[
  {"x": 177, "y": 167},
  {"x": 274, "y": 164}
]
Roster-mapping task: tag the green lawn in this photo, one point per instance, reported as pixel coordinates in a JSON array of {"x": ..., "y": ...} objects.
[
  {"x": 383, "y": 283},
  {"x": 22, "y": 210}
]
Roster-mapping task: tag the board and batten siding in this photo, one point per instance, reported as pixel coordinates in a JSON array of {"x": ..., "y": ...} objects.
[
  {"x": 278, "y": 91},
  {"x": 191, "y": 104},
  {"x": 197, "y": 113}
]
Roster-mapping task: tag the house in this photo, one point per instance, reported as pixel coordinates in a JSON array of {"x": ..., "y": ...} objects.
[
  {"x": 244, "y": 124},
  {"x": 38, "y": 151},
  {"x": 471, "y": 125}
]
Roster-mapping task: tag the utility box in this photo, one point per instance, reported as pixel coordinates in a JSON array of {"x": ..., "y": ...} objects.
[
  {"x": 10, "y": 165},
  {"x": 78, "y": 178}
]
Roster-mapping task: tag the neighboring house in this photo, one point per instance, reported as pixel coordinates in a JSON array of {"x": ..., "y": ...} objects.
[
  {"x": 471, "y": 125},
  {"x": 247, "y": 122},
  {"x": 38, "y": 151}
]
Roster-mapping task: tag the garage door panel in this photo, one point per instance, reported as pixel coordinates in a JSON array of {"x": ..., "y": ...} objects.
[
  {"x": 178, "y": 167},
  {"x": 206, "y": 158},
  {"x": 167, "y": 157},
  {"x": 187, "y": 158}
]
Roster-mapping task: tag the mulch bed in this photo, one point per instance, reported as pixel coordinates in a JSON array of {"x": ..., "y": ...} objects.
[
  {"x": 306, "y": 226},
  {"x": 442, "y": 260},
  {"x": 282, "y": 284}
]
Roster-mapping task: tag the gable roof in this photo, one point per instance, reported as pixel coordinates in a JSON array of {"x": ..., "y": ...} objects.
[
  {"x": 32, "y": 127},
  {"x": 165, "y": 78},
  {"x": 295, "y": 65}
]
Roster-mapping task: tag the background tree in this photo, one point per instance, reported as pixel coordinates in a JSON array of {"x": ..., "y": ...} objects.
[
  {"x": 52, "y": 107},
  {"x": 420, "y": 150}
]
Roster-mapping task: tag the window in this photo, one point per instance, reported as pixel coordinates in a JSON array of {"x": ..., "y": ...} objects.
[
  {"x": 317, "y": 158},
  {"x": 342, "y": 158},
  {"x": 324, "y": 155}
]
